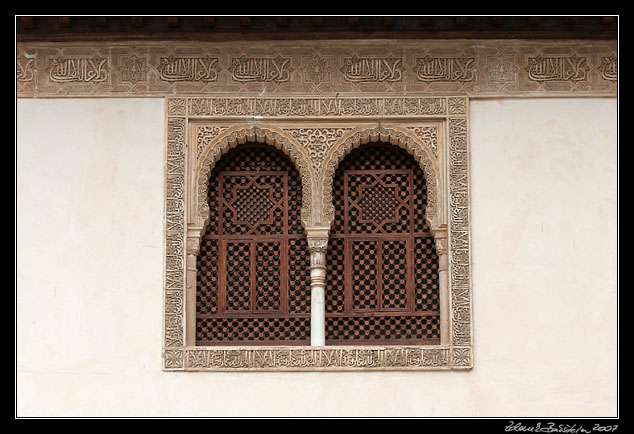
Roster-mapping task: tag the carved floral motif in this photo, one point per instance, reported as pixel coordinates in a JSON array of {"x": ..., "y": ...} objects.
[
  {"x": 133, "y": 69},
  {"x": 317, "y": 69},
  {"x": 317, "y": 142}
]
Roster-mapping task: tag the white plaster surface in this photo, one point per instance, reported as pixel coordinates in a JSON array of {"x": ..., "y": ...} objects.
[{"x": 90, "y": 273}]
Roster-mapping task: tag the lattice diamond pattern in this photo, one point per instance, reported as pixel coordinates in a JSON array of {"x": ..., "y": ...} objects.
[
  {"x": 238, "y": 276},
  {"x": 382, "y": 329},
  {"x": 335, "y": 273},
  {"x": 364, "y": 269},
  {"x": 394, "y": 278},
  {"x": 207, "y": 276},
  {"x": 254, "y": 330},
  {"x": 253, "y": 204},
  {"x": 378, "y": 202},
  {"x": 299, "y": 275},
  {"x": 267, "y": 280}
]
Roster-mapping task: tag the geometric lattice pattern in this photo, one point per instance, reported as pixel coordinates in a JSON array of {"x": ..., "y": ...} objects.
[
  {"x": 378, "y": 202},
  {"x": 382, "y": 265},
  {"x": 253, "y": 204},
  {"x": 254, "y": 330},
  {"x": 253, "y": 270},
  {"x": 382, "y": 329}
]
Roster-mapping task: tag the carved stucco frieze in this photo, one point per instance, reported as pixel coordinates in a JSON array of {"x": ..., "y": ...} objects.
[
  {"x": 308, "y": 68},
  {"x": 432, "y": 128},
  {"x": 327, "y": 359}
]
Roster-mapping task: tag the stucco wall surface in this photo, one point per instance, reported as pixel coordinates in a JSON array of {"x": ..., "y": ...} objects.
[{"x": 89, "y": 282}]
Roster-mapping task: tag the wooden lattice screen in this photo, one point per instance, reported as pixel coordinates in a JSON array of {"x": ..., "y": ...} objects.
[
  {"x": 253, "y": 269},
  {"x": 382, "y": 267}
]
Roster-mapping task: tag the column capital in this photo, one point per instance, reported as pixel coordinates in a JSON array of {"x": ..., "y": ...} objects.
[
  {"x": 317, "y": 239},
  {"x": 440, "y": 237}
]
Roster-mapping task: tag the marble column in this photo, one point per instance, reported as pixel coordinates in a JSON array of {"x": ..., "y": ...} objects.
[{"x": 317, "y": 245}]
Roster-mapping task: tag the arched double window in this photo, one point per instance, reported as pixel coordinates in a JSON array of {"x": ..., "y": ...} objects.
[{"x": 253, "y": 267}]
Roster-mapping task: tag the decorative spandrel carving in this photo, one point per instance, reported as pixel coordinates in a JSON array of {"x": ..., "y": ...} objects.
[
  {"x": 317, "y": 142},
  {"x": 428, "y": 135},
  {"x": 204, "y": 137}
]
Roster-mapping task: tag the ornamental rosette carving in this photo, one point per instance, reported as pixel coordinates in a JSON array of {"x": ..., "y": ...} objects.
[{"x": 317, "y": 69}]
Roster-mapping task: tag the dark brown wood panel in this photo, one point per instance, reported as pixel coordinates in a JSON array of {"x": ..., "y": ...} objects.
[{"x": 258, "y": 27}]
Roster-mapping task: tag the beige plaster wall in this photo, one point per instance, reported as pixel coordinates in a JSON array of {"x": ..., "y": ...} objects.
[{"x": 90, "y": 267}]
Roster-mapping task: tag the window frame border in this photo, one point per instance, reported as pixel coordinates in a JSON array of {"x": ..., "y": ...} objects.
[{"x": 395, "y": 119}]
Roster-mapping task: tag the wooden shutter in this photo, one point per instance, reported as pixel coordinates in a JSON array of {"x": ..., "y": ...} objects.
[
  {"x": 253, "y": 270},
  {"x": 382, "y": 276}
]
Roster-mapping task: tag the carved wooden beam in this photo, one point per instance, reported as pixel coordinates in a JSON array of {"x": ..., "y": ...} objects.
[
  {"x": 497, "y": 21},
  {"x": 136, "y": 22},
  {"x": 209, "y": 21},
  {"x": 28, "y": 22},
  {"x": 534, "y": 20}
]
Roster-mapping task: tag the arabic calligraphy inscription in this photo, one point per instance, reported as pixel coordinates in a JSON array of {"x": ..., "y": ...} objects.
[
  {"x": 84, "y": 70},
  {"x": 372, "y": 69}
]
